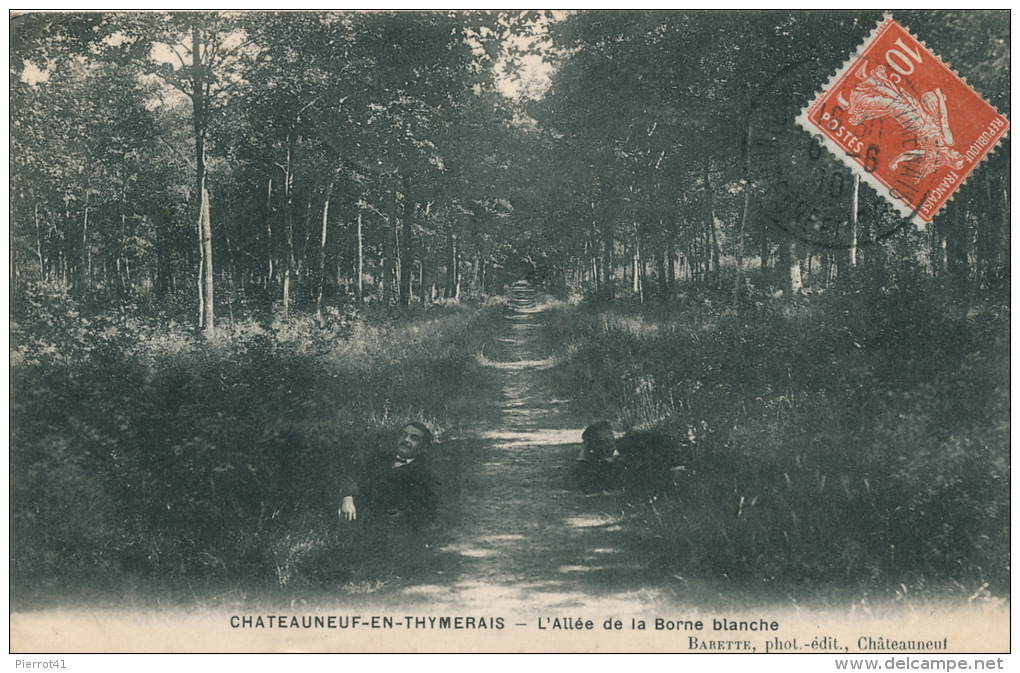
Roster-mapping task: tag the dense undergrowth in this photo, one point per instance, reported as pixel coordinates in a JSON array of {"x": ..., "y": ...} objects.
[
  {"x": 142, "y": 452},
  {"x": 859, "y": 436}
]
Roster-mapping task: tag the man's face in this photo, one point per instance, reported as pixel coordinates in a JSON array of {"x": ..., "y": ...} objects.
[{"x": 411, "y": 442}]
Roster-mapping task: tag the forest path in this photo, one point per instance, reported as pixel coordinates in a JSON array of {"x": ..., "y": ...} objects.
[{"x": 521, "y": 534}]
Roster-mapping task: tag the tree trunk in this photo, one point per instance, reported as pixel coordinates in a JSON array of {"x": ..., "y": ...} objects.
[
  {"x": 456, "y": 276},
  {"x": 123, "y": 275},
  {"x": 628, "y": 267},
  {"x": 854, "y": 216},
  {"x": 765, "y": 251},
  {"x": 941, "y": 246},
  {"x": 322, "y": 254},
  {"x": 269, "y": 233},
  {"x": 665, "y": 269},
  {"x": 931, "y": 241},
  {"x": 988, "y": 235},
  {"x": 635, "y": 260},
  {"x": 199, "y": 100},
  {"x": 957, "y": 244},
  {"x": 162, "y": 281},
  {"x": 361, "y": 260},
  {"x": 199, "y": 280},
  {"x": 671, "y": 270},
  {"x": 791, "y": 263},
  {"x": 65, "y": 246},
  {"x": 739, "y": 280},
  {"x": 86, "y": 256},
  {"x": 713, "y": 239},
  {"x": 638, "y": 285},
  {"x": 303, "y": 264},
  {"x": 38, "y": 245},
  {"x": 406, "y": 248},
  {"x": 204, "y": 224},
  {"x": 739, "y": 272},
  {"x": 640, "y": 271},
  {"x": 453, "y": 266},
  {"x": 288, "y": 224},
  {"x": 423, "y": 291},
  {"x": 608, "y": 267},
  {"x": 389, "y": 249},
  {"x": 829, "y": 259}
]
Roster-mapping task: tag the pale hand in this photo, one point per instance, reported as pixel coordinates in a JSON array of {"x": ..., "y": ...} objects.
[{"x": 348, "y": 512}]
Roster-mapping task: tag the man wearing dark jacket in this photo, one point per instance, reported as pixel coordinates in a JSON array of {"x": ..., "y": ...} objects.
[{"x": 394, "y": 484}]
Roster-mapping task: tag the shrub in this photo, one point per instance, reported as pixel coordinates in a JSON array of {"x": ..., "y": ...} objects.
[{"x": 141, "y": 450}]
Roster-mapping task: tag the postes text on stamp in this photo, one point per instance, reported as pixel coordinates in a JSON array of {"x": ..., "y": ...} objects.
[{"x": 904, "y": 121}]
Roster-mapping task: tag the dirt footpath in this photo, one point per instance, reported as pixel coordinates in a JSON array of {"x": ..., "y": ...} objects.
[{"x": 524, "y": 533}]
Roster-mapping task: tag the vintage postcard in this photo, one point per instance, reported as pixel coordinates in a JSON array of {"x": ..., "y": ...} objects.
[{"x": 511, "y": 331}]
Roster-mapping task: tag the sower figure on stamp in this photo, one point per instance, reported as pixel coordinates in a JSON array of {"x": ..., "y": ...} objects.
[{"x": 389, "y": 500}]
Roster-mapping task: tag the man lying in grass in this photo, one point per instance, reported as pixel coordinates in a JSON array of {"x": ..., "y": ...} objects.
[
  {"x": 389, "y": 498},
  {"x": 638, "y": 461},
  {"x": 393, "y": 484},
  {"x": 598, "y": 467}
]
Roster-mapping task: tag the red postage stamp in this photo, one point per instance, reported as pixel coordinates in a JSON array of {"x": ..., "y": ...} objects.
[{"x": 904, "y": 121}]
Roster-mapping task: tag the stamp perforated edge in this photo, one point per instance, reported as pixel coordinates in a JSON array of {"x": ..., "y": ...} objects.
[{"x": 802, "y": 120}]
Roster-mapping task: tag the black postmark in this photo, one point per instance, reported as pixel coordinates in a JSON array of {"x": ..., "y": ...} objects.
[{"x": 799, "y": 187}]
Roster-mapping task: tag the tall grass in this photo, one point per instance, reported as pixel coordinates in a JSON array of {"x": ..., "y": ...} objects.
[
  {"x": 142, "y": 452},
  {"x": 860, "y": 436}
]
